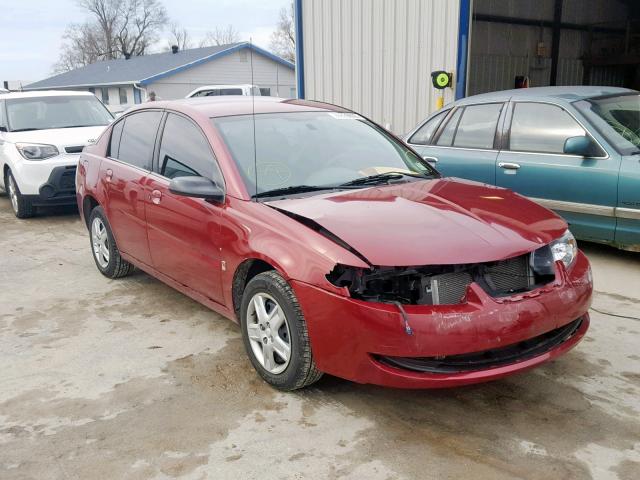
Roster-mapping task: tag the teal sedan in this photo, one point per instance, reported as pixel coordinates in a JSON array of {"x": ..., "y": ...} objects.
[{"x": 575, "y": 150}]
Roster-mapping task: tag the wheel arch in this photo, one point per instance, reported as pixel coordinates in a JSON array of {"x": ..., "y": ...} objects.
[
  {"x": 88, "y": 204},
  {"x": 245, "y": 271}
]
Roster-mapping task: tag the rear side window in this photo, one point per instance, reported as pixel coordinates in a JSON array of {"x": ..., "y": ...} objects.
[
  {"x": 477, "y": 127},
  {"x": 446, "y": 137},
  {"x": 114, "y": 142},
  {"x": 540, "y": 127},
  {"x": 425, "y": 132},
  {"x": 138, "y": 139},
  {"x": 184, "y": 151}
]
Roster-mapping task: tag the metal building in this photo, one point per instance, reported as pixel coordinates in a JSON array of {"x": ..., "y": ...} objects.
[{"x": 376, "y": 56}]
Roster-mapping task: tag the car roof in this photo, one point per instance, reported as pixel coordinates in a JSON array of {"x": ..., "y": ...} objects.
[
  {"x": 229, "y": 105},
  {"x": 43, "y": 93},
  {"x": 235, "y": 85},
  {"x": 554, "y": 94}
]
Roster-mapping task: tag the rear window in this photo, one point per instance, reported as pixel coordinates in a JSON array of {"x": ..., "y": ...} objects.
[{"x": 138, "y": 139}]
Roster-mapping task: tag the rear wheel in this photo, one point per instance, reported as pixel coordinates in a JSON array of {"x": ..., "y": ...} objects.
[
  {"x": 275, "y": 333},
  {"x": 105, "y": 252},
  {"x": 22, "y": 207}
]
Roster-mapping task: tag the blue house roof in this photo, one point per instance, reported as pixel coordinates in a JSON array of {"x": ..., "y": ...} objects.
[{"x": 145, "y": 69}]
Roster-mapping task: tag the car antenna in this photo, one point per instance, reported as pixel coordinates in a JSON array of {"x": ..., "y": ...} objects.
[{"x": 253, "y": 117}]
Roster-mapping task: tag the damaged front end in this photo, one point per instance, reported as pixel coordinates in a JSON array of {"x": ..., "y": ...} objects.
[{"x": 446, "y": 284}]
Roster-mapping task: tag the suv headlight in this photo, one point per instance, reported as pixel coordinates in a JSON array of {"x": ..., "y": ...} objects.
[
  {"x": 565, "y": 249},
  {"x": 37, "y": 151}
]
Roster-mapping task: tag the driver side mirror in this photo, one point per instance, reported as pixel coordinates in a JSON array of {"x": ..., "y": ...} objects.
[
  {"x": 583, "y": 146},
  {"x": 197, "y": 187}
]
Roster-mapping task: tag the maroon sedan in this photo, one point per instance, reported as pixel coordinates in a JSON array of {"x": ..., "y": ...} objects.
[{"x": 335, "y": 246}]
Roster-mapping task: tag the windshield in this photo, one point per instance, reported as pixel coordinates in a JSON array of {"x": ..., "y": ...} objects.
[
  {"x": 41, "y": 113},
  {"x": 313, "y": 149},
  {"x": 617, "y": 118}
]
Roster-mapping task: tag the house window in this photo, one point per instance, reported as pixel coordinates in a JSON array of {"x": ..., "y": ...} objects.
[
  {"x": 265, "y": 91},
  {"x": 92, "y": 90},
  {"x": 123, "y": 96},
  {"x": 105, "y": 96}
]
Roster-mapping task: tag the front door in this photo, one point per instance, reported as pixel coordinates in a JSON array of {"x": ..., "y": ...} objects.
[
  {"x": 184, "y": 233},
  {"x": 583, "y": 190},
  {"x": 628, "y": 211},
  {"x": 464, "y": 146},
  {"x": 124, "y": 173}
]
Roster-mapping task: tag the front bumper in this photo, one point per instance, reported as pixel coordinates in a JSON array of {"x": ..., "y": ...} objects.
[
  {"x": 59, "y": 189},
  {"x": 352, "y": 338}
]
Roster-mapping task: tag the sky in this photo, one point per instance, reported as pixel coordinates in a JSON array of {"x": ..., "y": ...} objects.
[{"x": 31, "y": 30}]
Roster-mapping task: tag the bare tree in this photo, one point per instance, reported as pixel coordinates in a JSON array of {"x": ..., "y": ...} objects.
[
  {"x": 220, "y": 36},
  {"x": 179, "y": 36},
  {"x": 115, "y": 29},
  {"x": 283, "y": 40}
]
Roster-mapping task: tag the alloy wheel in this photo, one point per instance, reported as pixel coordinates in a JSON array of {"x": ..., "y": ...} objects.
[
  {"x": 268, "y": 333},
  {"x": 13, "y": 193},
  {"x": 100, "y": 242}
]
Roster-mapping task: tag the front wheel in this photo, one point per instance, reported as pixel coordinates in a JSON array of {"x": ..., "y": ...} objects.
[
  {"x": 22, "y": 207},
  {"x": 104, "y": 248},
  {"x": 275, "y": 334}
]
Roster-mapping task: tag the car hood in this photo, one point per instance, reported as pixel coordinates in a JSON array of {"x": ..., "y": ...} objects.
[
  {"x": 60, "y": 137},
  {"x": 433, "y": 222}
]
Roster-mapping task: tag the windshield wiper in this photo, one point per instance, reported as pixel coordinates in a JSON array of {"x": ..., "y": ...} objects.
[
  {"x": 290, "y": 190},
  {"x": 382, "y": 177}
]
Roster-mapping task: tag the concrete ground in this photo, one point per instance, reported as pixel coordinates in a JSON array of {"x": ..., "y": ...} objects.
[{"x": 129, "y": 379}]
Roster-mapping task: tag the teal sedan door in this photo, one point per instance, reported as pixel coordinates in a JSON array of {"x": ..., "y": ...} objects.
[
  {"x": 628, "y": 211},
  {"x": 533, "y": 163},
  {"x": 464, "y": 144}
]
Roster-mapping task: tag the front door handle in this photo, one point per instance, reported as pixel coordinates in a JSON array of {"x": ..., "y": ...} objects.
[
  {"x": 155, "y": 197},
  {"x": 430, "y": 159},
  {"x": 509, "y": 166},
  {"x": 109, "y": 174}
]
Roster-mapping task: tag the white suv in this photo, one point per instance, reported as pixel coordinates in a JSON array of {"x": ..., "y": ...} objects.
[
  {"x": 221, "y": 90},
  {"x": 41, "y": 136}
]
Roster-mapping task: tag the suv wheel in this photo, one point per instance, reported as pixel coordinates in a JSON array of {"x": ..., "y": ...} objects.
[
  {"x": 105, "y": 252},
  {"x": 275, "y": 333},
  {"x": 22, "y": 206}
]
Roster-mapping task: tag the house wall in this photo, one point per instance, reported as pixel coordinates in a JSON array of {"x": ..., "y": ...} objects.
[
  {"x": 234, "y": 68},
  {"x": 376, "y": 56}
]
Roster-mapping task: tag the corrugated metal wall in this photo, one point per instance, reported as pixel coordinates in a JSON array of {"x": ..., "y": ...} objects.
[{"x": 376, "y": 56}]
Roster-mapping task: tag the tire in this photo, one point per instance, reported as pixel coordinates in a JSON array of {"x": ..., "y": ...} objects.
[
  {"x": 299, "y": 370},
  {"x": 103, "y": 247},
  {"x": 22, "y": 207}
]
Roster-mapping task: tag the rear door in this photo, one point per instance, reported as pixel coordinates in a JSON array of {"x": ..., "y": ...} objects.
[
  {"x": 123, "y": 173},
  {"x": 184, "y": 232},
  {"x": 464, "y": 144},
  {"x": 533, "y": 163}
]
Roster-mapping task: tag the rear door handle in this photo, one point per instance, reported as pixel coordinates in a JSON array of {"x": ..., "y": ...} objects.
[
  {"x": 155, "y": 197},
  {"x": 509, "y": 166},
  {"x": 430, "y": 159}
]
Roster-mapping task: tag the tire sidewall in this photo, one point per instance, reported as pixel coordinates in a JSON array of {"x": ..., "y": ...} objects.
[
  {"x": 23, "y": 208},
  {"x": 109, "y": 271},
  {"x": 290, "y": 376}
]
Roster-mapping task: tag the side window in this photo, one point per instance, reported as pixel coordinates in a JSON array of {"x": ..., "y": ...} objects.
[
  {"x": 425, "y": 132},
  {"x": 477, "y": 127},
  {"x": 540, "y": 127},
  {"x": 105, "y": 96},
  {"x": 138, "y": 139},
  {"x": 114, "y": 142},
  {"x": 184, "y": 151},
  {"x": 446, "y": 137}
]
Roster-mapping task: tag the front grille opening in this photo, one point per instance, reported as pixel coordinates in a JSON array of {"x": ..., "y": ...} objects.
[
  {"x": 470, "y": 362},
  {"x": 446, "y": 284}
]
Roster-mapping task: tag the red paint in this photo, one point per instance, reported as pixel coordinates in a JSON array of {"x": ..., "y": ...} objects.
[{"x": 183, "y": 241}]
